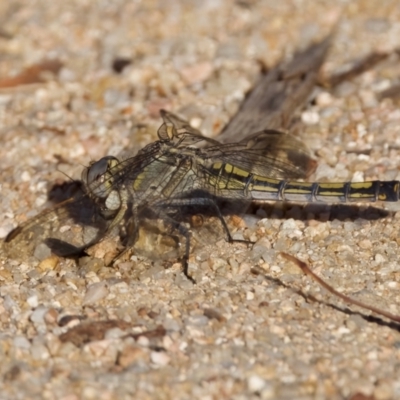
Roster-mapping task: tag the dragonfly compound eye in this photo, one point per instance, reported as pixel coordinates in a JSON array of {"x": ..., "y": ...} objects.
[{"x": 98, "y": 177}]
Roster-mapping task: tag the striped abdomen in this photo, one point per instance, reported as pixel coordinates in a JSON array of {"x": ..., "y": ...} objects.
[{"x": 228, "y": 180}]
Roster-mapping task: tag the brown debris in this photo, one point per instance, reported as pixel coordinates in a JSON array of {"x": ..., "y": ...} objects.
[
  {"x": 90, "y": 331},
  {"x": 160, "y": 331},
  {"x": 36, "y": 73},
  {"x": 211, "y": 313},
  {"x": 119, "y": 64}
]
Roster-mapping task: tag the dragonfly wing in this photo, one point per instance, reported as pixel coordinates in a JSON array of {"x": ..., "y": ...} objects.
[
  {"x": 268, "y": 153},
  {"x": 65, "y": 230},
  {"x": 271, "y": 153}
]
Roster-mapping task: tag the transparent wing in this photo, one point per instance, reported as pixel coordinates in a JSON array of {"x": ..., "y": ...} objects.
[
  {"x": 66, "y": 230},
  {"x": 269, "y": 153}
]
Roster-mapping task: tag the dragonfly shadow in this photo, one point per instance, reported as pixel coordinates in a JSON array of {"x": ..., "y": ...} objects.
[
  {"x": 67, "y": 229},
  {"x": 322, "y": 211},
  {"x": 62, "y": 191},
  {"x": 62, "y": 248}
]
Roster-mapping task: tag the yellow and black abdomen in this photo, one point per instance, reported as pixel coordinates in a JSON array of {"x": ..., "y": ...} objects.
[
  {"x": 327, "y": 192},
  {"x": 230, "y": 181}
]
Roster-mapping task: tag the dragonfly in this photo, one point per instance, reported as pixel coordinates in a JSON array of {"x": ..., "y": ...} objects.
[{"x": 182, "y": 170}]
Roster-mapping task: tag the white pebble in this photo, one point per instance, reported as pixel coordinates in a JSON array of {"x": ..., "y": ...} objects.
[
  {"x": 33, "y": 301},
  {"x": 159, "y": 357},
  {"x": 25, "y": 176},
  {"x": 249, "y": 296},
  {"x": 310, "y": 117},
  {"x": 255, "y": 383},
  {"x": 324, "y": 99}
]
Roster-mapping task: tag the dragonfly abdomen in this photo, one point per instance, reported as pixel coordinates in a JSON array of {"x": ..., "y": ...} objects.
[
  {"x": 262, "y": 188},
  {"x": 228, "y": 179}
]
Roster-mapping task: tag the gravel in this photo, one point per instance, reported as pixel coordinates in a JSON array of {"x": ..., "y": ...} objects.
[{"x": 252, "y": 326}]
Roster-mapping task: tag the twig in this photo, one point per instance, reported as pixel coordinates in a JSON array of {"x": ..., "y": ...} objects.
[{"x": 304, "y": 267}]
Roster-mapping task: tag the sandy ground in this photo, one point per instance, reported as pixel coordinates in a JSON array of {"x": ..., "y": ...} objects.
[{"x": 141, "y": 329}]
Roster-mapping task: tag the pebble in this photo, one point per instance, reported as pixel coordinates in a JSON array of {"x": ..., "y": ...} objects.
[
  {"x": 39, "y": 351},
  {"x": 310, "y": 117},
  {"x": 95, "y": 292},
  {"x": 281, "y": 335},
  {"x": 160, "y": 358},
  {"x": 255, "y": 384},
  {"x": 22, "y": 342},
  {"x": 132, "y": 354},
  {"x": 38, "y": 314},
  {"x": 33, "y": 301},
  {"x": 49, "y": 263}
]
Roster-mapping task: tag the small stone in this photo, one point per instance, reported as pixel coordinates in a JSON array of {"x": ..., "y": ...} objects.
[
  {"x": 159, "y": 358},
  {"x": 95, "y": 292},
  {"x": 249, "y": 296},
  {"x": 42, "y": 252},
  {"x": 310, "y": 117},
  {"x": 33, "y": 301},
  {"x": 130, "y": 355},
  {"x": 365, "y": 244},
  {"x": 49, "y": 263},
  {"x": 255, "y": 383},
  {"x": 324, "y": 99},
  {"x": 38, "y": 314},
  {"x": 198, "y": 320},
  {"x": 114, "y": 333},
  {"x": 379, "y": 258},
  {"x": 289, "y": 224},
  {"x": 291, "y": 268},
  {"x": 22, "y": 342},
  {"x": 97, "y": 348},
  {"x": 39, "y": 352},
  {"x": 51, "y": 316},
  {"x": 217, "y": 263},
  {"x": 197, "y": 73}
]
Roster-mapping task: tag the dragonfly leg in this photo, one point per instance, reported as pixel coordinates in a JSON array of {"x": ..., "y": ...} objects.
[
  {"x": 132, "y": 234},
  {"x": 185, "y": 260},
  {"x": 202, "y": 201},
  {"x": 185, "y": 232}
]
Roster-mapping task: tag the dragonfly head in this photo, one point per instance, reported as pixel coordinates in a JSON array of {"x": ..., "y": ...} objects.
[{"x": 98, "y": 179}]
